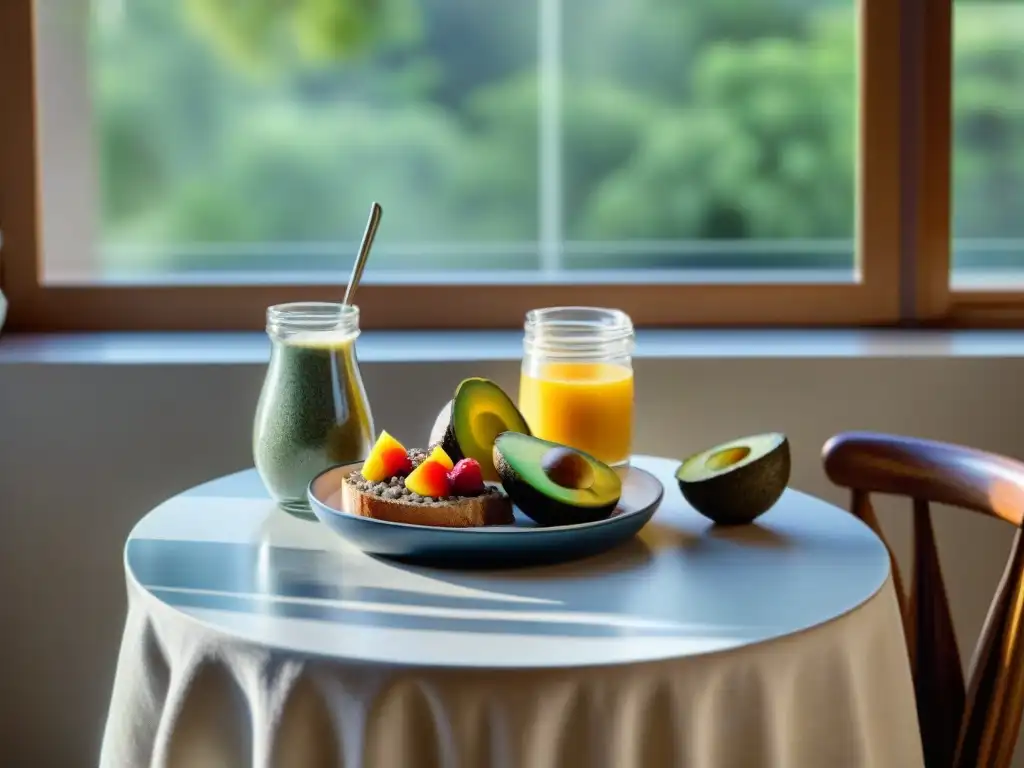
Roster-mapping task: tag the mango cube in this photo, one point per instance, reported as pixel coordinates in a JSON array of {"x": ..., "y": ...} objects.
[
  {"x": 429, "y": 479},
  {"x": 441, "y": 457},
  {"x": 387, "y": 459}
]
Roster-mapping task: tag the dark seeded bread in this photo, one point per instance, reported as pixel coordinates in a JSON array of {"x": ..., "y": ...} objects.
[
  {"x": 390, "y": 500},
  {"x": 460, "y": 512}
]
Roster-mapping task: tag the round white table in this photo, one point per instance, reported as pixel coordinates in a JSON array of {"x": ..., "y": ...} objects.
[{"x": 256, "y": 638}]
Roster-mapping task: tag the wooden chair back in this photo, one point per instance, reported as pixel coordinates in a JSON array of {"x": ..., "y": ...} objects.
[{"x": 962, "y": 726}]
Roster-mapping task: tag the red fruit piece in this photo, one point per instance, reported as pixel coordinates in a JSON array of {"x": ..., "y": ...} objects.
[
  {"x": 401, "y": 465},
  {"x": 467, "y": 479},
  {"x": 429, "y": 479}
]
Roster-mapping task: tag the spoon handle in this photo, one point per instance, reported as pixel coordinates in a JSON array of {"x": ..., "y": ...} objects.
[{"x": 364, "y": 252}]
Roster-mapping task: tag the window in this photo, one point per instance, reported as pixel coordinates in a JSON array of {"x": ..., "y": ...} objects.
[
  {"x": 987, "y": 255},
  {"x": 184, "y": 163},
  {"x": 988, "y": 149}
]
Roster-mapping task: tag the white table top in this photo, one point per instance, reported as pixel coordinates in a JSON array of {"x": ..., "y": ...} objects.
[{"x": 224, "y": 555}]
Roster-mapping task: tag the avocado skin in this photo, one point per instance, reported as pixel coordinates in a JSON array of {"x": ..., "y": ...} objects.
[
  {"x": 450, "y": 445},
  {"x": 443, "y": 434},
  {"x": 540, "y": 508},
  {"x": 741, "y": 495}
]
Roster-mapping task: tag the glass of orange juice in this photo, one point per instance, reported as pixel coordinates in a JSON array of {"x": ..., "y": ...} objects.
[{"x": 576, "y": 386}]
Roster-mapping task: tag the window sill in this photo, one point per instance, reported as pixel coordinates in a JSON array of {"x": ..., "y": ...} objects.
[{"x": 453, "y": 346}]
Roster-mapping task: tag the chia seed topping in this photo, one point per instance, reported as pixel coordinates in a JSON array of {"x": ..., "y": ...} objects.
[{"x": 393, "y": 489}]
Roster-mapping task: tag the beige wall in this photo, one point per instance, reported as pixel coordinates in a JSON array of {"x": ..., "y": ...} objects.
[{"x": 86, "y": 450}]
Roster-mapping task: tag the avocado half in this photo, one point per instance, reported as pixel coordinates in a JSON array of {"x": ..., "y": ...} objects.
[
  {"x": 554, "y": 484},
  {"x": 736, "y": 482},
  {"x": 468, "y": 424}
]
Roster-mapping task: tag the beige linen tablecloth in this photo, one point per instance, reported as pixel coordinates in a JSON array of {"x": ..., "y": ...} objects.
[{"x": 258, "y": 640}]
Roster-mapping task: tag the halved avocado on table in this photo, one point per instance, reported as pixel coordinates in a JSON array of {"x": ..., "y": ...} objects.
[
  {"x": 738, "y": 481},
  {"x": 554, "y": 484},
  {"x": 467, "y": 426}
]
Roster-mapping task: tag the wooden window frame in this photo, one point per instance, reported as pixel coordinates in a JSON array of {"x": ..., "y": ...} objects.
[
  {"x": 937, "y": 301},
  {"x": 873, "y": 300}
]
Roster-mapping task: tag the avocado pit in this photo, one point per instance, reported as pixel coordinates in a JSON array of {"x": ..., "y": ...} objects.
[
  {"x": 554, "y": 484},
  {"x": 567, "y": 469},
  {"x": 727, "y": 457}
]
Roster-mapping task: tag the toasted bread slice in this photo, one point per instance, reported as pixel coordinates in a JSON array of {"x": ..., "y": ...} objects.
[{"x": 464, "y": 512}]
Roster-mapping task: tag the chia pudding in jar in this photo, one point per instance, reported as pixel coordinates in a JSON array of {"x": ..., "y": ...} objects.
[{"x": 313, "y": 412}]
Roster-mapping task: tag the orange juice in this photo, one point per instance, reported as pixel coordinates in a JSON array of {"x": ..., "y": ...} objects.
[{"x": 585, "y": 405}]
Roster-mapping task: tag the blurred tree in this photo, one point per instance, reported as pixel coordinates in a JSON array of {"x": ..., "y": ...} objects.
[
  {"x": 988, "y": 154},
  {"x": 604, "y": 126},
  {"x": 652, "y": 46},
  {"x": 713, "y": 119},
  {"x": 765, "y": 149},
  {"x": 497, "y": 171},
  {"x": 476, "y": 44},
  {"x": 160, "y": 107},
  {"x": 257, "y": 33},
  {"x": 308, "y": 177}
]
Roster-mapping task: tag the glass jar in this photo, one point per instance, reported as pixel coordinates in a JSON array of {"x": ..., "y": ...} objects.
[
  {"x": 312, "y": 412},
  {"x": 576, "y": 385}
]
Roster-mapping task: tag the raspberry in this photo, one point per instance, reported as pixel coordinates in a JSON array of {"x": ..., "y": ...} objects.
[{"x": 466, "y": 478}]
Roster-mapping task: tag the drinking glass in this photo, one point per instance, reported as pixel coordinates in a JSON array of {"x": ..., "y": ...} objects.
[{"x": 576, "y": 383}]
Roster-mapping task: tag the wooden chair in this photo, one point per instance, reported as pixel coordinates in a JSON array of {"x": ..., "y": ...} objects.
[{"x": 970, "y": 727}]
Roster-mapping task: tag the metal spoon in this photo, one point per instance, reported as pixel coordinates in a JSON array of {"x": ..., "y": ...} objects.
[{"x": 364, "y": 252}]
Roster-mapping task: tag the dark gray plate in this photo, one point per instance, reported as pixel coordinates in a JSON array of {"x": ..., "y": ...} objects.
[{"x": 522, "y": 543}]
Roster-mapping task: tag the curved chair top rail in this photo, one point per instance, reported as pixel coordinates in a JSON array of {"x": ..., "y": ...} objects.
[{"x": 929, "y": 471}]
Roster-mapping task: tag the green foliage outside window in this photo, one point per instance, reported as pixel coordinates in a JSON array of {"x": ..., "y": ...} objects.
[{"x": 277, "y": 121}]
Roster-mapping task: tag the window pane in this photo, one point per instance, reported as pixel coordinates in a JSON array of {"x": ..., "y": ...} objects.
[
  {"x": 710, "y": 134},
  {"x": 988, "y": 144},
  {"x": 248, "y": 139}
]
